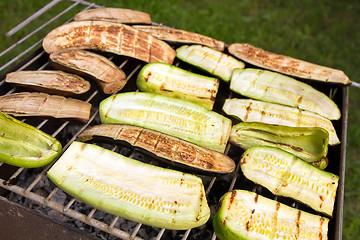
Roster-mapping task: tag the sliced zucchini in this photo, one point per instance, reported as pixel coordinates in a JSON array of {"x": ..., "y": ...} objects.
[
  {"x": 308, "y": 143},
  {"x": 168, "y": 80},
  {"x": 131, "y": 189},
  {"x": 286, "y": 175},
  {"x": 210, "y": 60},
  {"x": 277, "y": 88},
  {"x": 175, "y": 117},
  {"x": 249, "y": 110},
  {"x": 23, "y": 145},
  {"x": 247, "y": 215}
]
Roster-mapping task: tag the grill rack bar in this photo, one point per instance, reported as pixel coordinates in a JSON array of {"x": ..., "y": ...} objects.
[{"x": 67, "y": 210}]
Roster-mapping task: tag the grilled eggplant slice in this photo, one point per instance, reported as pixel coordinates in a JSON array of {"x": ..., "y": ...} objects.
[
  {"x": 49, "y": 81},
  {"x": 181, "y": 36},
  {"x": 104, "y": 72},
  {"x": 286, "y": 175},
  {"x": 116, "y": 15},
  {"x": 249, "y": 110},
  {"x": 109, "y": 37},
  {"x": 27, "y": 104},
  {"x": 23, "y": 145},
  {"x": 286, "y": 65},
  {"x": 247, "y": 215},
  {"x": 277, "y": 88},
  {"x": 168, "y": 115},
  {"x": 131, "y": 189},
  {"x": 168, "y": 80},
  {"x": 164, "y": 147},
  {"x": 308, "y": 143},
  {"x": 210, "y": 60}
]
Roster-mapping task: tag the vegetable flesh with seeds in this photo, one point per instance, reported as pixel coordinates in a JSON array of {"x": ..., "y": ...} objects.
[
  {"x": 308, "y": 143},
  {"x": 247, "y": 215},
  {"x": 179, "y": 118},
  {"x": 277, "y": 88},
  {"x": 23, "y": 145},
  {"x": 168, "y": 80},
  {"x": 212, "y": 61},
  {"x": 286, "y": 175},
  {"x": 131, "y": 189},
  {"x": 249, "y": 110}
]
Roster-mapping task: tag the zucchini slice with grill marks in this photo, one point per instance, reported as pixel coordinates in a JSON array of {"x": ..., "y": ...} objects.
[
  {"x": 175, "y": 117},
  {"x": 131, "y": 189},
  {"x": 210, "y": 60},
  {"x": 249, "y": 110},
  {"x": 286, "y": 175},
  {"x": 168, "y": 80},
  {"x": 247, "y": 215},
  {"x": 277, "y": 88},
  {"x": 23, "y": 145},
  {"x": 308, "y": 143}
]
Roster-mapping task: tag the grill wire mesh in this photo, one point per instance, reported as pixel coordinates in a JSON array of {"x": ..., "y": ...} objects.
[{"x": 31, "y": 188}]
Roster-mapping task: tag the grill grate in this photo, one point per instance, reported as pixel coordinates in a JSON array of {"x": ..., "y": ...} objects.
[{"x": 66, "y": 132}]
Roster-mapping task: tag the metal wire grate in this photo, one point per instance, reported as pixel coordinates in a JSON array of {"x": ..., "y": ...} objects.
[{"x": 66, "y": 132}]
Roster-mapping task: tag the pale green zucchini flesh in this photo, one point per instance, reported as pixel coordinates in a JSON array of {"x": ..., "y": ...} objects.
[
  {"x": 23, "y": 145},
  {"x": 249, "y": 110},
  {"x": 131, "y": 189},
  {"x": 286, "y": 175},
  {"x": 308, "y": 143},
  {"x": 171, "y": 81},
  {"x": 175, "y": 117},
  {"x": 212, "y": 61},
  {"x": 248, "y": 216},
  {"x": 277, "y": 88}
]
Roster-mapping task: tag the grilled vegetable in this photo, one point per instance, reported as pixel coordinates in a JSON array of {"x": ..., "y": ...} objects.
[
  {"x": 257, "y": 111},
  {"x": 116, "y": 15},
  {"x": 164, "y": 147},
  {"x": 131, "y": 189},
  {"x": 109, "y": 37},
  {"x": 23, "y": 145},
  {"x": 24, "y": 104},
  {"x": 277, "y": 88},
  {"x": 247, "y": 215},
  {"x": 53, "y": 82},
  {"x": 287, "y": 65},
  {"x": 168, "y": 115},
  {"x": 286, "y": 175},
  {"x": 168, "y": 80},
  {"x": 209, "y": 60},
  {"x": 103, "y": 71},
  {"x": 309, "y": 144},
  {"x": 181, "y": 36}
]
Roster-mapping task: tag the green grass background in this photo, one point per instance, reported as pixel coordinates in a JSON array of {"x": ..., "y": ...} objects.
[{"x": 323, "y": 32}]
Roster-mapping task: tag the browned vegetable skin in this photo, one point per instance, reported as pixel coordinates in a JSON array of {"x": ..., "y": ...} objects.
[
  {"x": 181, "y": 36},
  {"x": 286, "y": 65},
  {"x": 109, "y": 37},
  {"x": 88, "y": 64},
  {"x": 163, "y": 146},
  {"x": 25, "y": 104},
  {"x": 49, "y": 81},
  {"x": 117, "y": 15}
]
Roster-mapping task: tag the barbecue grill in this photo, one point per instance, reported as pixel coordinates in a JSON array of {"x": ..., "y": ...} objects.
[{"x": 29, "y": 200}]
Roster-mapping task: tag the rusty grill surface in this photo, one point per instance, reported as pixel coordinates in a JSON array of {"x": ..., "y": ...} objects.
[{"x": 37, "y": 192}]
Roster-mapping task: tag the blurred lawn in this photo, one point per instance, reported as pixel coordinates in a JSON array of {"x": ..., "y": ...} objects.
[{"x": 323, "y": 32}]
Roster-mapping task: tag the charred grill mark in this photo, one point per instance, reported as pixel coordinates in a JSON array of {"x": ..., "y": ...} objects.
[
  {"x": 248, "y": 109},
  {"x": 256, "y": 198},
  {"x": 298, "y": 225},
  {"x": 232, "y": 197}
]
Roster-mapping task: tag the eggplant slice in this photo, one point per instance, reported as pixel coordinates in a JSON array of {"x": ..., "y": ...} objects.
[
  {"x": 104, "y": 72},
  {"x": 116, "y": 15},
  {"x": 36, "y": 104},
  {"x": 286, "y": 65},
  {"x": 164, "y": 147},
  {"x": 109, "y": 37},
  {"x": 49, "y": 81},
  {"x": 181, "y": 36}
]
